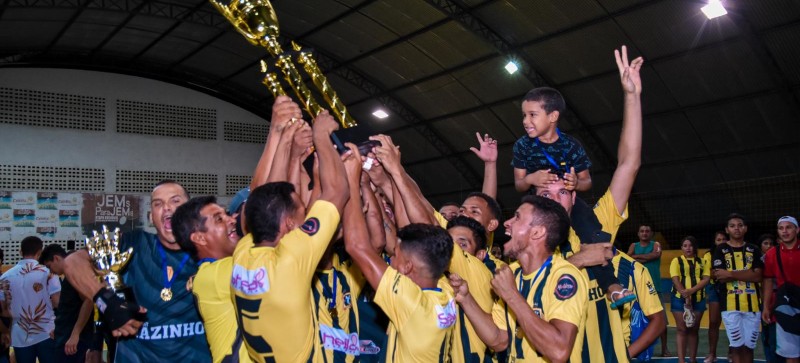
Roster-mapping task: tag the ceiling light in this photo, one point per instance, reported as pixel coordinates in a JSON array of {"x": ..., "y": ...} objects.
[
  {"x": 511, "y": 67},
  {"x": 714, "y": 9},
  {"x": 380, "y": 114}
]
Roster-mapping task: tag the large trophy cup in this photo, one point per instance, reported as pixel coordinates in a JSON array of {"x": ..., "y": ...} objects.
[
  {"x": 109, "y": 261},
  {"x": 256, "y": 20}
]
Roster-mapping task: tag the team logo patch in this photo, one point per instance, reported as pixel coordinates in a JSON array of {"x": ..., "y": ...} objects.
[
  {"x": 566, "y": 287},
  {"x": 717, "y": 263},
  {"x": 347, "y": 300},
  {"x": 651, "y": 288},
  {"x": 310, "y": 226}
]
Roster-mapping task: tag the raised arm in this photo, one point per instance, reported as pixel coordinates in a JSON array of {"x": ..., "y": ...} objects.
[
  {"x": 331, "y": 170},
  {"x": 629, "y": 152},
  {"x": 374, "y": 216},
  {"x": 488, "y": 154},
  {"x": 483, "y": 322},
  {"x": 283, "y": 153},
  {"x": 283, "y": 110},
  {"x": 356, "y": 236}
]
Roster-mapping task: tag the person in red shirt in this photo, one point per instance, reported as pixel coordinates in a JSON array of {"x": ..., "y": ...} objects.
[{"x": 788, "y": 345}]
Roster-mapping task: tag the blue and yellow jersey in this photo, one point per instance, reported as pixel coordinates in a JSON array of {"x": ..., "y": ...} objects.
[
  {"x": 270, "y": 287},
  {"x": 467, "y": 346},
  {"x": 604, "y": 341},
  {"x": 422, "y": 320},
  {"x": 336, "y": 291},
  {"x": 739, "y": 295},
  {"x": 690, "y": 272},
  {"x": 629, "y": 271},
  {"x": 557, "y": 292},
  {"x": 212, "y": 290}
]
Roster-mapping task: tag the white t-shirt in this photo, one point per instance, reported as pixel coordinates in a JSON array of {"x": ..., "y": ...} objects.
[{"x": 30, "y": 286}]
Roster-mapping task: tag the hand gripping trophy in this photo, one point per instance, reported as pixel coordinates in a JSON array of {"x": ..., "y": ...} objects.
[
  {"x": 256, "y": 20},
  {"x": 104, "y": 250}
]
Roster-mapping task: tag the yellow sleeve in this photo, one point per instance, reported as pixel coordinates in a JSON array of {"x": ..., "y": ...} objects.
[
  {"x": 646, "y": 291},
  {"x": 440, "y": 218},
  {"x": 499, "y": 315},
  {"x": 706, "y": 268},
  {"x": 674, "y": 268},
  {"x": 566, "y": 296},
  {"x": 608, "y": 215},
  {"x": 398, "y": 296},
  {"x": 475, "y": 273},
  {"x": 306, "y": 245}
]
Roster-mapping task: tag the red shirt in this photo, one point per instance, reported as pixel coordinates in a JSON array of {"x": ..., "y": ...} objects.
[{"x": 790, "y": 259}]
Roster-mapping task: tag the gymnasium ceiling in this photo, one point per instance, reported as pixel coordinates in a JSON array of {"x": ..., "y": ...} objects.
[{"x": 721, "y": 97}]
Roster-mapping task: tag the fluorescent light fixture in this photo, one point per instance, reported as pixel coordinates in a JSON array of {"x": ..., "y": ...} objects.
[
  {"x": 714, "y": 9},
  {"x": 511, "y": 67},
  {"x": 380, "y": 114}
]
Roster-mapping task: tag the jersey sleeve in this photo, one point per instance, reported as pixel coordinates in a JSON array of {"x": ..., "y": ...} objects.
[
  {"x": 674, "y": 269},
  {"x": 646, "y": 291},
  {"x": 475, "y": 272},
  {"x": 53, "y": 284},
  {"x": 440, "y": 218},
  {"x": 608, "y": 214},
  {"x": 770, "y": 263},
  {"x": 706, "y": 268},
  {"x": 757, "y": 262},
  {"x": 398, "y": 296},
  {"x": 499, "y": 315},
  {"x": 306, "y": 245},
  {"x": 568, "y": 295}
]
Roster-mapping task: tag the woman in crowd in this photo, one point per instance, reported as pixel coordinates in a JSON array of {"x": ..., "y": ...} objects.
[{"x": 689, "y": 278}]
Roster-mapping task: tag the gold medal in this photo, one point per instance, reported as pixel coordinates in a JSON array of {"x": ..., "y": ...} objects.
[
  {"x": 518, "y": 332},
  {"x": 333, "y": 312},
  {"x": 166, "y": 294}
]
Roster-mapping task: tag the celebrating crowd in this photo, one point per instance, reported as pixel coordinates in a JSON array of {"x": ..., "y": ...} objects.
[{"x": 349, "y": 262}]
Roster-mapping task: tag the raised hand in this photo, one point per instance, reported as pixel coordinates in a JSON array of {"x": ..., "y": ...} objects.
[
  {"x": 284, "y": 110},
  {"x": 570, "y": 179},
  {"x": 629, "y": 71},
  {"x": 503, "y": 284},
  {"x": 388, "y": 154},
  {"x": 460, "y": 287},
  {"x": 352, "y": 164},
  {"x": 302, "y": 141},
  {"x": 488, "y": 148},
  {"x": 324, "y": 124}
]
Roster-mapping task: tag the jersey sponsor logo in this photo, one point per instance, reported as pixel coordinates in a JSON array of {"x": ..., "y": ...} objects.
[
  {"x": 446, "y": 315},
  {"x": 310, "y": 226},
  {"x": 170, "y": 331},
  {"x": 250, "y": 282},
  {"x": 368, "y": 347},
  {"x": 339, "y": 340},
  {"x": 566, "y": 287},
  {"x": 651, "y": 288}
]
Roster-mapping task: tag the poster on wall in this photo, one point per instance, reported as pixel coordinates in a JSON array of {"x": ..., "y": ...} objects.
[
  {"x": 113, "y": 210},
  {"x": 68, "y": 226}
]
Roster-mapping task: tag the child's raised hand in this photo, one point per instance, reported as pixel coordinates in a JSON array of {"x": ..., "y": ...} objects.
[{"x": 541, "y": 178}]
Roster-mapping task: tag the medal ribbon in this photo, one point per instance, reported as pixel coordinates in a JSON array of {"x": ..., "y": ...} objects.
[
  {"x": 547, "y": 155},
  {"x": 204, "y": 260},
  {"x": 542, "y": 268},
  {"x": 326, "y": 290},
  {"x": 167, "y": 281}
]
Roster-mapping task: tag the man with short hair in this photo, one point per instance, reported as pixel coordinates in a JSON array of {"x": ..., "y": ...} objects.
[
  {"x": 158, "y": 273},
  {"x": 542, "y": 308},
  {"x": 788, "y": 344},
  {"x": 74, "y": 324},
  {"x": 203, "y": 229},
  {"x": 738, "y": 265},
  {"x": 449, "y": 210},
  {"x": 34, "y": 292},
  {"x": 648, "y": 252}
]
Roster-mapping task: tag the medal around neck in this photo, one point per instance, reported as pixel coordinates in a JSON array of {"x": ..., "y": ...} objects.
[{"x": 109, "y": 261}]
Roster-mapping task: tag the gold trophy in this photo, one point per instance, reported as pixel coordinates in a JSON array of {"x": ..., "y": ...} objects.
[
  {"x": 109, "y": 261},
  {"x": 256, "y": 20}
]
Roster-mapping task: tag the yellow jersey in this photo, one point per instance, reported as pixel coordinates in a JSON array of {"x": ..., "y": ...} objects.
[
  {"x": 556, "y": 291},
  {"x": 491, "y": 262},
  {"x": 270, "y": 287},
  {"x": 467, "y": 346},
  {"x": 603, "y": 341},
  {"x": 690, "y": 273},
  {"x": 739, "y": 295},
  {"x": 335, "y": 293},
  {"x": 421, "y": 320},
  {"x": 629, "y": 271},
  {"x": 211, "y": 287}
]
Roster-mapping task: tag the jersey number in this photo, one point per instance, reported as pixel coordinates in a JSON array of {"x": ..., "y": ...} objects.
[{"x": 248, "y": 309}]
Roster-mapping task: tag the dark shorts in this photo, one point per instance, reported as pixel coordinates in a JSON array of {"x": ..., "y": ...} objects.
[
  {"x": 677, "y": 305},
  {"x": 711, "y": 293}
]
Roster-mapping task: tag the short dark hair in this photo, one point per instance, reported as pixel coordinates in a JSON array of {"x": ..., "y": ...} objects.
[
  {"x": 553, "y": 217},
  {"x": 478, "y": 232},
  {"x": 170, "y": 181},
  {"x": 454, "y": 204},
  {"x": 30, "y": 245},
  {"x": 551, "y": 99},
  {"x": 693, "y": 241},
  {"x": 765, "y": 236},
  {"x": 720, "y": 233},
  {"x": 494, "y": 207},
  {"x": 51, "y": 251},
  {"x": 735, "y": 216},
  {"x": 649, "y": 225},
  {"x": 430, "y": 244},
  {"x": 187, "y": 220},
  {"x": 265, "y": 207}
]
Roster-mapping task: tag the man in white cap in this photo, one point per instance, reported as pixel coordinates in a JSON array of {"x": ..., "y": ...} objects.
[{"x": 788, "y": 251}]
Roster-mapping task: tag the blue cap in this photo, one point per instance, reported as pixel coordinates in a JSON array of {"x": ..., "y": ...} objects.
[
  {"x": 238, "y": 200},
  {"x": 789, "y": 219}
]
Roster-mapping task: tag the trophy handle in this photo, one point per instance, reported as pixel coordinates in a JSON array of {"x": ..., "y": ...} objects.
[{"x": 324, "y": 87}]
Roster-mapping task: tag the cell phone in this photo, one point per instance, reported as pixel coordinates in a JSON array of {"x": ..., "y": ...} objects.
[{"x": 365, "y": 147}]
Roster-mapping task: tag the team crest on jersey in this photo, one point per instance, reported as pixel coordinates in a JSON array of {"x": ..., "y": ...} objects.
[
  {"x": 566, "y": 287},
  {"x": 347, "y": 300},
  {"x": 310, "y": 226},
  {"x": 651, "y": 288}
]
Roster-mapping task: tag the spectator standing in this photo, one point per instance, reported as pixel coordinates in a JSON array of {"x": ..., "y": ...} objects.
[
  {"x": 690, "y": 275},
  {"x": 788, "y": 344},
  {"x": 648, "y": 252}
]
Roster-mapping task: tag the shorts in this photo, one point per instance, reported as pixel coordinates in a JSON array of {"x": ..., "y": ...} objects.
[
  {"x": 787, "y": 344},
  {"x": 676, "y": 305},
  {"x": 742, "y": 328},
  {"x": 712, "y": 294}
]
